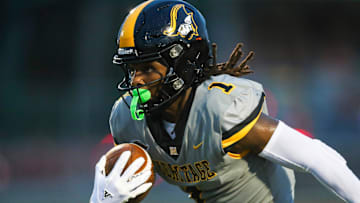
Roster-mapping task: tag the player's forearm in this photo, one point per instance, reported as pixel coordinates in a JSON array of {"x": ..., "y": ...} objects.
[
  {"x": 339, "y": 179},
  {"x": 291, "y": 149}
]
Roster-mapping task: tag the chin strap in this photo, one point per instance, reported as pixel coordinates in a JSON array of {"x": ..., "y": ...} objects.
[{"x": 139, "y": 96}]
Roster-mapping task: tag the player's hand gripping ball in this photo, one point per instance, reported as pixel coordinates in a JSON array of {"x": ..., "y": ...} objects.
[
  {"x": 123, "y": 174},
  {"x": 136, "y": 152}
]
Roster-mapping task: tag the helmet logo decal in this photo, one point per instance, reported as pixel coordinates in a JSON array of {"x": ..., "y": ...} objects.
[{"x": 187, "y": 28}]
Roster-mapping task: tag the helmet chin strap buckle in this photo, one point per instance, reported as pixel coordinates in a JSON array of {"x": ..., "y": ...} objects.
[{"x": 140, "y": 96}]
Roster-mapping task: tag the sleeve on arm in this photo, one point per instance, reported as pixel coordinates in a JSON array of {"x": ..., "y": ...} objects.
[
  {"x": 239, "y": 119},
  {"x": 119, "y": 118},
  {"x": 290, "y": 148}
]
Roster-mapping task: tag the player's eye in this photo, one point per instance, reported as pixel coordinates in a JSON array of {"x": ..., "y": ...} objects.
[{"x": 144, "y": 68}]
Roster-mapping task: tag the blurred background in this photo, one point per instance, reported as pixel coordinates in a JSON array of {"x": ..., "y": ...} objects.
[{"x": 58, "y": 85}]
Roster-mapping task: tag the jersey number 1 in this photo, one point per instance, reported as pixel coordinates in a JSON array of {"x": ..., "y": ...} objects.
[{"x": 226, "y": 88}]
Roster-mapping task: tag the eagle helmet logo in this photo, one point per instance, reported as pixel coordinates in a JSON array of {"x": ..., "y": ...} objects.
[{"x": 186, "y": 28}]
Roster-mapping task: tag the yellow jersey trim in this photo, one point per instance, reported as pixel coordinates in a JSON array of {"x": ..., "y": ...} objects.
[
  {"x": 240, "y": 134},
  {"x": 238, "y": 156}
]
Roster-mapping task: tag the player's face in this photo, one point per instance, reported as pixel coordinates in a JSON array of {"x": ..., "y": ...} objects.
[{"x": 148, "y": 72}]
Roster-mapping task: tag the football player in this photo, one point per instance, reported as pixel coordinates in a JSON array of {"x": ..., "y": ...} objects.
[{"x": 207, "y": 129}]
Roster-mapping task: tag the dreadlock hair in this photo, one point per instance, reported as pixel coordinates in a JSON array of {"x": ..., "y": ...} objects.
[{"x": 230, "y": 66}]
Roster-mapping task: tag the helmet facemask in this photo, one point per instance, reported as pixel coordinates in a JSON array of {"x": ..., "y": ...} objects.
[{"x": 183, "y": 71}]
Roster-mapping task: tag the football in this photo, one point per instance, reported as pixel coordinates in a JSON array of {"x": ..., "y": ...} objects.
[{"x": 136, "y": 151}]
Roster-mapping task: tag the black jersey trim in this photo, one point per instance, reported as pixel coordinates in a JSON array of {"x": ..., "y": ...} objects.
[{"x": 239, "y": 131}]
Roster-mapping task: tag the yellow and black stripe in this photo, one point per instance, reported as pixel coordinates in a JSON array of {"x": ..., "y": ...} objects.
[
  {"x": 126, "y": 35},
  {"x": 239, "y": 131}
]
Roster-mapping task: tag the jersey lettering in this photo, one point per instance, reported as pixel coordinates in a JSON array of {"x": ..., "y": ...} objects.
[
  {"x": 185, "y": 170},
  {"x": 164, "y": 169},
  {"x": 187, "y": 173},
  {"x": 225, "y": 87},
  {"x": 175, "y": 173},
  {"x": 201, "y": 171},
  {"x": 195, "y": 175},
  {"x": 209, "y": 174}
]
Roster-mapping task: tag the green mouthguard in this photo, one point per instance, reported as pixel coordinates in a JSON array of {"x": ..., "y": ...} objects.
[{"x": 139, "y": 96}]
